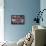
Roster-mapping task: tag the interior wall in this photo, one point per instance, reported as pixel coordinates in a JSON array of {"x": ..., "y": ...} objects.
[
  {"x": 1, "y": 20},
  {"x": 43, "y": 6},
  {"x": 28, "y": 8}
]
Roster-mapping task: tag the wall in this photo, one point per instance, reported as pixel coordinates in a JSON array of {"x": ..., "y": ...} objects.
[
  {"x": 18, "y": 7},
  {"x": 1, "y": 20},
  {"x": 43, "y": 6}
]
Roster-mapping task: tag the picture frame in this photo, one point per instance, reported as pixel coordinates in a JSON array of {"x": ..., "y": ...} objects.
[{"x": 17, "y": 19}]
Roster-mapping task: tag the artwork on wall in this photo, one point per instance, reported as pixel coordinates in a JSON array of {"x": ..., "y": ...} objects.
[{"x": 17, "y": 19}]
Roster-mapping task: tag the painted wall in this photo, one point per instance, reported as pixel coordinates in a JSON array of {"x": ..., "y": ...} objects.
[
  {"x": 43, "y": 6},
  {"x": 1, "y": 20},
  {"x": 19, "y": 7}
]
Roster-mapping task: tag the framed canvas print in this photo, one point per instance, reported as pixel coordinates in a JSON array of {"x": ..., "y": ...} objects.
[{"x": 17, "y": 19}]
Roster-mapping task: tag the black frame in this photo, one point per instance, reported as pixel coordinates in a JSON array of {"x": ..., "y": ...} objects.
[{"x": 17, "y": 19}]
